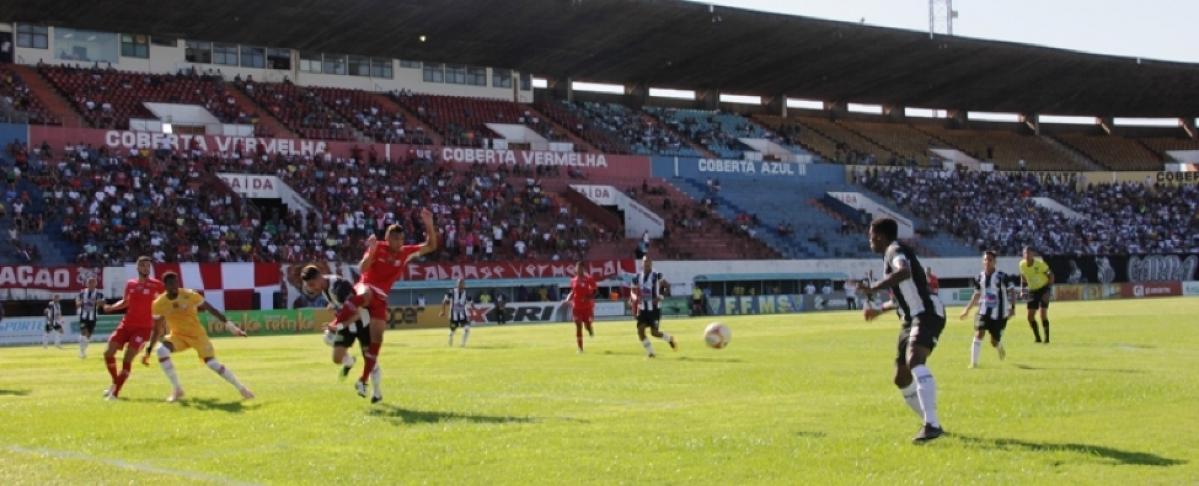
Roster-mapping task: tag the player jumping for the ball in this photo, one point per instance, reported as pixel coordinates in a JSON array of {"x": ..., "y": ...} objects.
[
  {"x": 381, "y": 266},
  {"x": 336, "y": 290},
  {"x": 135, "y": 328}
]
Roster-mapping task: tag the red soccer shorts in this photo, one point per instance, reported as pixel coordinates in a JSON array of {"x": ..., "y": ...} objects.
[
  {"x": 583, "y": 313},
  {"x": 377, "y": 307},
  {"x": 135, "y": 337}
]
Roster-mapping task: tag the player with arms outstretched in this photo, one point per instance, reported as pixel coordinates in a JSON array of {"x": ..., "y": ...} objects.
[
  {"x": 381, "y": 266},
  {"x": 135, "y": 328},
  {"x": 582, "y": 302},
  {"x": 178, "y": 310},
  {"x": 995, "y": 297}
]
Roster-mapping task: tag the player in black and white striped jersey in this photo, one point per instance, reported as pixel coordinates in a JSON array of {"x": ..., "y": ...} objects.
[
  {"x": 336, "y": 290},
  {"x": 923, "y": 318},
  {"x": 53, "y": 323},
  {"x": 88, "y": 302},
  {"x": 456, "y": 301},
  {"x": 995, "y": 295},
  {"x": 648, "y": 288}
]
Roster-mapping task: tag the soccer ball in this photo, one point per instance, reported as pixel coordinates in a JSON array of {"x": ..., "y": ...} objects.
[{"x": 717, "y": 335}]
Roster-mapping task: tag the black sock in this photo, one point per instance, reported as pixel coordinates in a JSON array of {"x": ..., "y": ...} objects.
[
  {"x": 1045, "y": 323},
  {"x": 1032, "y": 322}
]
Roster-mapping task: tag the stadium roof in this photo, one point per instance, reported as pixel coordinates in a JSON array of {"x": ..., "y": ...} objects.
[{"x": 669, "y": 43}]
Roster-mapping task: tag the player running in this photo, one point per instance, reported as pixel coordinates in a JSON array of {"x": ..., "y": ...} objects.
[
  {"x": 582, "y": 302},
  {"x": 336, "y": 290},
  {"x": 456, "y": 301},
  {"x": 923, "y": 320},
  {"x": 1037, "y": 281},
  {"x": 648, "y": 287},
  {"x": 135, "y": 328},
  {"x": 995, "y": 290},
  {"x": 179, "y": 310},
  {"x": 88, "y": 302},
  {"x": 381, "y": 266}
]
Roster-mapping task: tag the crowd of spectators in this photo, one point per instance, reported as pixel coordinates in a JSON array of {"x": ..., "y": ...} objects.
[
  {"x": 997, "y": 210},
  {"x": 299, "y": 108},
  {"x": 642, "y": 135},
  {"x": 718, "y": 132},
  {"x": 15, "y": 97}
]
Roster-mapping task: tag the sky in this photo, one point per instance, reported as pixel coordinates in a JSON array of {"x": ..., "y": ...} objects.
[{"x": 1150, "y": 29}]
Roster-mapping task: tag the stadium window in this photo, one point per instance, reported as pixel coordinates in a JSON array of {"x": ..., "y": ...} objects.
[
  {"x": 225, "y": 54},
  {"x": 476, "y": 76},
  {"x": 334, "y": 64},
  {"x": 526, "y": 81},
  {"x": 135, "y": 45},
  {"x": 164, "y": 41},
  {"x": 1068, "y": 120},
  {"x": 678, "y": 94},
  {"x": 35, "y": 36},
  {"x": 925, "y": 113},
  {"x": 381, "y": 68},
  {"x": 310, "y": 62},
  {"x": 359, "y": 66},
  {"x": 1146, "y": 122},
  {"x": 410, "y": 64},
  {"x": 198, "y": 52},
  {"x": 434, "y": 72},
  {"x": 278, "y": 59},
  {"x": 455, "y": 74},
  {"x": 864, "y": 108},
  {"x": 740, "y": 99},
  {"x": 501, "y": 78},
  {"x": 253, "y": 57},
  {"x": 805, "y": 104},
  {"x": 597, "y": 87},
  {"x": 993, "y": 116},
  {"x": 86, "y": 45}
]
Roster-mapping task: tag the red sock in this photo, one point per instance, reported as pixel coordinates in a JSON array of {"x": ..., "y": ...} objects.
[
  {"x": 116, "y": 390},
  {"x": 372, "y": 356},
  {"x": 349, "y": 309},
  {"x": 112, "y": 367},
  {"x": 579, "y": 335}
]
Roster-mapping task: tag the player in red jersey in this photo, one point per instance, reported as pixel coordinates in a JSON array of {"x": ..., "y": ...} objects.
[
  {"x": 381, "y": 266},
  {"x": 135, "y": 328},
  {"x": 582, "y": 302}
]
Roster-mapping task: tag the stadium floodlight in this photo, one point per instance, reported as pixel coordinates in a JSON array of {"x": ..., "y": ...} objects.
[
  {"x": 1068, "y": 120},
  {"x": 597, "y": 87},
  {"x": 805, "y": 104},
  {"x": 740, "y": 99},
  {"x": 914, "y": 112},
  {"x": 680, "y": 94},
  {"x": 864, "y": 108},
  {"x": 1146, "y": 122},
  {"x": 991, "y": 116}
]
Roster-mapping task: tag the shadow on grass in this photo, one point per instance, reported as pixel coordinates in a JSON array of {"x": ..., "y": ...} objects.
[
  {"x": 13, "y": 393},
  {"x": 229, "y": 406},
  {"x": 669, "y": 355},
  {"x": 710, "y": 360},
  {"x": 400, "y": 415},
  {"x": 1114, "y": 456},
  {"x": 1089, "y": 370},
  {"x": 811, "y": 434}
]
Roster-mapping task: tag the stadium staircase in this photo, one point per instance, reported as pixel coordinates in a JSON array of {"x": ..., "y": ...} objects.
[
  {"x": 50, "y": 97},
  {"x": 267, "y": 123},
  {"x": 703, "y": 151}
]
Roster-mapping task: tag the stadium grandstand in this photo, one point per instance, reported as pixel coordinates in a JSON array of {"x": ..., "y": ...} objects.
[{"x": 392, "y": 111}]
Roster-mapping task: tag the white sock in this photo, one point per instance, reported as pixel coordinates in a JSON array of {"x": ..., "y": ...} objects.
[
  {"x": 58, "y": 338},
  {"x": 974, "y": 350},
  {"x": 926, "y": 389},
  {"x": 45, "y": 339},
  {"x": 452, "y": 337},
  {"x": 348, "y": 361},
  {"x": 168, "y": 367},
  {"x": 220, "y": 369},
  {"x": 377, "y": 380},
  {"x": 82, "y": 344},
  {"x": 909, "y": 397},
  {"x": 649, "y": 347},
  {"x": 999, "y": 349},
  {"x": 665, "y": 337},
  {"x": 465, "y": 335}
]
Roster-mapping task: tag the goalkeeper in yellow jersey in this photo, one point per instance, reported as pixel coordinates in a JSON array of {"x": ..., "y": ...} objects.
[{"x": 179, "y": 310}]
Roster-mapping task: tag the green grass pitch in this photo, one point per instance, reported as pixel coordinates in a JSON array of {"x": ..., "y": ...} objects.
[{"x": 795, "y": 399}]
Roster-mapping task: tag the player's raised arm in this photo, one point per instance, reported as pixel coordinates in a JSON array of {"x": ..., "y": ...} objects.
[
  {"x": 229, "y": 326},
  {"x": 431, "y": 237},
  {"x": 369, "y": 258}
]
